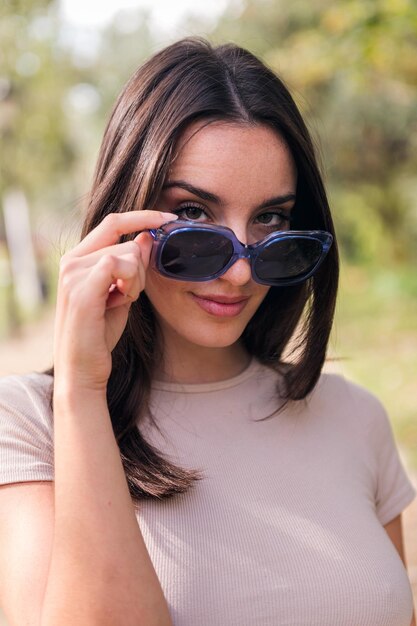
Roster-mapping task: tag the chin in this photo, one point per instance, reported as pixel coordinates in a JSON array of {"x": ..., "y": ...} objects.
[
  {"x": 209, "y": 337},
  {"x": 215, "y": 342}
]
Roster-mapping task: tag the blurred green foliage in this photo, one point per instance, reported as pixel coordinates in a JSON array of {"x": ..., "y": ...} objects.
[
  {"x": 352, "y": 67},
  {"x": 36, "y": 148},
  {"x": 57, "y": 87}
]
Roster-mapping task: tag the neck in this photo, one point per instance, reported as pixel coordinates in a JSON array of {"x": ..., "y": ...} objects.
[{"x": 196, "y": 364}]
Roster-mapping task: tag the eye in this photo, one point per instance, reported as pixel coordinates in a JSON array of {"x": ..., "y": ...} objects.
[
  {"x": 273, "y": 218},
  {"x": 191, "y": 212}
]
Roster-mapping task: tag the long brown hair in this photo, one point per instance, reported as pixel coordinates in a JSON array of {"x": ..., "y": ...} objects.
[{"x": 186, "y": 81}]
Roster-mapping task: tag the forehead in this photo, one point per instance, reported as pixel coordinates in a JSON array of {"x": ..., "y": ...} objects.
[{"x": 225, "y": 158}]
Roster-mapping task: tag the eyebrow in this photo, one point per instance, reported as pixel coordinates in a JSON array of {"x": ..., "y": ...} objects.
[
  {"x": 196, "y": 191},
  {"x": 277, "y": 200},
  {"x": 211, "y": 197}
]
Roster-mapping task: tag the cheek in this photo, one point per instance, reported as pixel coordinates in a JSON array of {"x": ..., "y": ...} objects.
[
  {"x": 261, "y": 293},
  {"x": 164, "y": 293}
]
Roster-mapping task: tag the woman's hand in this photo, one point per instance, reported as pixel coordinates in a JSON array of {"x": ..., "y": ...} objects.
[{"x": 98, "y": 281}]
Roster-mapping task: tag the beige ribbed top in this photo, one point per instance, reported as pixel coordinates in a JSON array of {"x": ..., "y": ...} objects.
[{"x": 285, "y": 529}]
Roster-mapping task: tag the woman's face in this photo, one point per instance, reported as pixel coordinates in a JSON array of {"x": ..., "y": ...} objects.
[{"x": 239, "y": 176}]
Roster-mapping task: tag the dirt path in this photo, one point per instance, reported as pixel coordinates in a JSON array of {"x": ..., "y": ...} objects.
[{"x": 32, "y": 350}]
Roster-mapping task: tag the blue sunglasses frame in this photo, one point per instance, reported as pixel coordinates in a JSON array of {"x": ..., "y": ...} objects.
[{"x": 251, "y": 252}]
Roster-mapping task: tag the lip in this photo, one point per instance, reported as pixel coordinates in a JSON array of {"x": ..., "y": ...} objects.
[
  {"x": 222, "y": 299},
  {"x": 221, "y": 306}
]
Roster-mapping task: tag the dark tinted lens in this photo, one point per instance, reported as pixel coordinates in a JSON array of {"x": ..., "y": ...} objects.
[
  {"x": 288, "y": 258},
  {"x": 196, "y": 253}
]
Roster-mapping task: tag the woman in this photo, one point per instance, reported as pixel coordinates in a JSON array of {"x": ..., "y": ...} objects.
[{"x": 201, "y": 475}]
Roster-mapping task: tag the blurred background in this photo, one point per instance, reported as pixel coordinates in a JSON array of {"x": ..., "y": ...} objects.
[{"x": 352, "y": 68}]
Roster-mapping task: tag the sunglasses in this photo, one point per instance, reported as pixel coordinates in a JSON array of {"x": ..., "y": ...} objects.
[{"x": 199, "y": 252}]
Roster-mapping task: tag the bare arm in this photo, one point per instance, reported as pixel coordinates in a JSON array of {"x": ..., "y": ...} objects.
[
  {"x": 26, "y": 531},
  {"x": 100, "y": 571},
  {"x": 394, "y": 531}
]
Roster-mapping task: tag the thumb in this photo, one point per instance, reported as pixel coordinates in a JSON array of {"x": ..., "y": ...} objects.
[{"x": 145, "y": 243}]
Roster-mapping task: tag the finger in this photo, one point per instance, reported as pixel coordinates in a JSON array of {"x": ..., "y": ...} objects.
[
  {"x": 125, "y": 291},
  {"x": 116, "y": 299},
  {"x": 107, "y": 272},
  {"x": 110, "y": 283},
  {"x": 131, "y": 287},
  {"x": 119, "y": 249},
  {"x": 145, "y": 243},
  {"x": 74, "y": 271},
  {"x": 114, "y": 225}
]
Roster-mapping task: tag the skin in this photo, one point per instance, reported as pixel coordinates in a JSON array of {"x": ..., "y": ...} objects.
[{"x": 253, "y": 165}]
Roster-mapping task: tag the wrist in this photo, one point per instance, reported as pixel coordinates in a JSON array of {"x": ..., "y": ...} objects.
[
  {"x": 71, "y": 380},
  {"x": 71, "y": 394}
]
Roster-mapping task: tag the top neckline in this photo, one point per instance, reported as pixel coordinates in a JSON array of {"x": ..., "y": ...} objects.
[{"x": 213, "y": 386}]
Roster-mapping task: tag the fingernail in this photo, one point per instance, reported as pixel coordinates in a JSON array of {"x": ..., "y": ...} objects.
[{"x": 169, "y": 216}]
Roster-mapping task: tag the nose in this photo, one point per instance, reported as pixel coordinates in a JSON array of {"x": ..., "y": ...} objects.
[{"x": 239, "y": 273}]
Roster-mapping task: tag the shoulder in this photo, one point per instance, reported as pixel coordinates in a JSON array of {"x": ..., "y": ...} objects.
[
  {"x": 25, "y": 403},
  {"x": 353, "y": 403},
  {"x": 28, "y": 389},
  {"x": 332, "y": 391},
  {"x": 335, "y": 387},
  {"x": 26, "y": 428}
]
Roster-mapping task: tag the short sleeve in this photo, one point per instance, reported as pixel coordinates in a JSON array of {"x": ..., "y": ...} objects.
[
  {"x": 393, "y": 489},
  {"x": 26, "y": 428}
]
